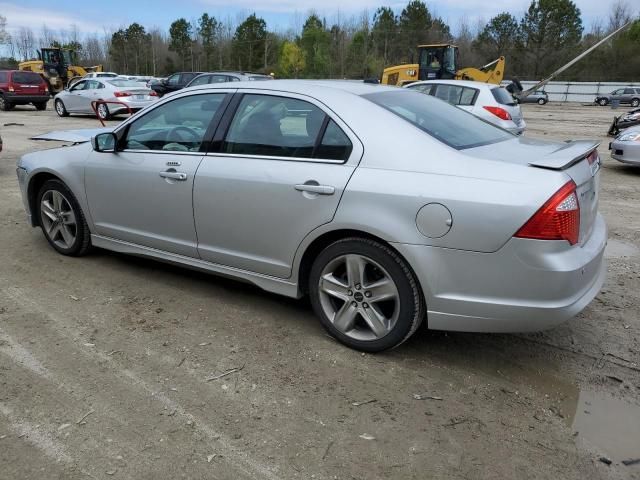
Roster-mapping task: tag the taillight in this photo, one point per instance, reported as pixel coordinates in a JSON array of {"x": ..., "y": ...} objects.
[
  {"x": 498, "y": 112},
  {"x": 122, "y": 94},
  {"x": 152, "y": 94},
  {"x": 557, "y": 219}
]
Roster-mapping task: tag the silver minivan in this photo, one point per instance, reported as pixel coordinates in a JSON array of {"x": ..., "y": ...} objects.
[{"x": 490, "y": 102}]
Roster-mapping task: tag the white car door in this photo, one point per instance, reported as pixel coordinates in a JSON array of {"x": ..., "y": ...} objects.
[
  {"x": 277, "y": 175},
  {"x": 142, "y": 192}
]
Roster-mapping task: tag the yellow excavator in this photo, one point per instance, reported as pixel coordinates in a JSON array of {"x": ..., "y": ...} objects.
[
  {"x": 57, "y": 66},
  {"x": 440, "y": 61}
]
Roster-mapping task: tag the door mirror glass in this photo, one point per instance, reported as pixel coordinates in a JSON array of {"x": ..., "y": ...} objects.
[{"x": 105, "y": 142}]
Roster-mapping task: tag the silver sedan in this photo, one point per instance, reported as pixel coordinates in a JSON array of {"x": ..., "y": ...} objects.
[
  {"x": 120, "y": 95},
  {"x": 386, "y": 206},
  {"x": 626, "y": 147}
]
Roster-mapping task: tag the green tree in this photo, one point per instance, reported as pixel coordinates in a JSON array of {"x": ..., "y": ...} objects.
[
  {"x": 118, "y": 51},
  {"x": 137, "y": 40},
  {"x": 551, "y": 29},
  {"x": 249, "y": 43},
  {"x": 180, "y": 40},
  {"x": 500, "y": 36},
  {"x": 414, "y": 27},
  {"x": 384, "y": 31},
  {"x": 207, "y": 28},
  {"x": 315, "y": 43},
  {"x": 292, "y": 62}
]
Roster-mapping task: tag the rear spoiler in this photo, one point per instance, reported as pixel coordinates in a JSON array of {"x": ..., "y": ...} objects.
[{"x": 569, "y": 154}]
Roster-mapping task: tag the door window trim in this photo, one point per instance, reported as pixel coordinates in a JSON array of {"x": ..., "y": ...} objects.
[{"x": 224, "y": 125}]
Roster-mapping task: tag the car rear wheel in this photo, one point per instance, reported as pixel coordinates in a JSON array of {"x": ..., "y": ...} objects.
[
  {"x": 5, "y": 104},
  {"x": 602, "y": 102},
  {"x": 62, "y": 220},
  {"x": 60, "y": 109},
  {"x": 103, "y": 112},
  {"x": 541, "y": 101},
  {"x": 635, "y": 102},
  {"x": 365, "y": 295},
  {"x": 40, "y": 105}
]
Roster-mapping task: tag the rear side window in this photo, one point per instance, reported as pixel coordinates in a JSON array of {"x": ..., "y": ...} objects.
[
  {"x": 3, "y": 77},
  {"x": 502, "y": 96},
  {"x": 456, "y": 94},
  {"x": 26, "y": 78},
  {"x": 284, "y": 127},
  {"x": 448, "y": 124}
]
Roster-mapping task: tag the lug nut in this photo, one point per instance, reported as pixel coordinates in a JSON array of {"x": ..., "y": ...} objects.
[
  {"x": 365, "y": 305},
  {"x": 354, "y": 304},
  {"x": 349, "y": 292},
  {"x": 367, "y": 294},
  {"x": 358, "y": 286}
]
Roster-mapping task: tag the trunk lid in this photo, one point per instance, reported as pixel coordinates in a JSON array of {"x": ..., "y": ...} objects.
[{"x": 578, "y": 159}]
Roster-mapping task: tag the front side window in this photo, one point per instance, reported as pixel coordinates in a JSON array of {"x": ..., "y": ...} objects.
[
  {"x": 201, "y": 80},
  {"x": 274, "y": 126},
  {"x": 422, "y": 88},
  {"x": 79, "y": 86},
  {"x": 448, "y": 124},
  {"x": 174, "y": 79},
  {"x": 178, "y": 126},
  {"x": 218, "y": 79}
]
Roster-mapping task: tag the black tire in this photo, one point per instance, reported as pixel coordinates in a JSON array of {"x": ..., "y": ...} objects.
[
  {"x": 541, "y": 101},
  {"x": 61, "y": 110},
  {"x": 40, "y": 105},
  {"x": 103, "y": 112},
  {"x": 603, "y": 102},
  {"x": 5, "y": 105},
  {"x": 82, "y": 242},
  {"x": 635, "y": 102},
  {"x": 411, "y": 302}
]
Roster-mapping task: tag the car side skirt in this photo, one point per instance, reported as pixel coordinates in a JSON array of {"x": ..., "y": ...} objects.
[{"x": 266, "y": 282}]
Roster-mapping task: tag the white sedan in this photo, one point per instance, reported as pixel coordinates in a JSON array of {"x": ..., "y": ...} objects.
[{"x": 121, "y": 96}]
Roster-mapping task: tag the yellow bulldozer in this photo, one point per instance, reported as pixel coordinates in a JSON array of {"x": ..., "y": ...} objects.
[
  {"x": 440, "y": 61},
  {"x": 57, "y": 66}
]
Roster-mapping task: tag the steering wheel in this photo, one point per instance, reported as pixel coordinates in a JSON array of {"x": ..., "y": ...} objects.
[{"x": 195, "y": 136}]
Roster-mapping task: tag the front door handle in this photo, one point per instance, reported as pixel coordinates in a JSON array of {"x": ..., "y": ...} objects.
[
  {"x": 319, "y": 189},
  {"x": 174, "y": 175}
]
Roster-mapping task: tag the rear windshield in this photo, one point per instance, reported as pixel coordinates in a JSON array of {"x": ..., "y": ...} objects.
[
  {"x": 26, "y": 78},
  {"x": 502, "y": 96},
  {"x": 449, "y": 124},
  {"x": 124, "y": 83}
]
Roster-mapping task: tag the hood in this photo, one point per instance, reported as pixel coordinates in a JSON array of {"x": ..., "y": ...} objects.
[
  {"x": 537, "y": 153},
  {"x": 74, "y": 136}
]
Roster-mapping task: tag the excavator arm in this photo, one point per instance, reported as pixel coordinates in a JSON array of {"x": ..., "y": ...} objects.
[{"x": 492, "y": 72}]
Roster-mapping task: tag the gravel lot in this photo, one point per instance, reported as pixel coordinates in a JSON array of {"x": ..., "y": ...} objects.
[{"x": 105, "y": 361}]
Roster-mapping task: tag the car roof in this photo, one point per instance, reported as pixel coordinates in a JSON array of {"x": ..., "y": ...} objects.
[
  {"x": 307, "y": 87},
  {"x": 462, "y": 83}
]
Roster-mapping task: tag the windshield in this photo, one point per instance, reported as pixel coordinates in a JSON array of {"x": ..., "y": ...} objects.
[
  {"x": 68, "y": 57},
  {"x": 124, "y": 83},
  {"x": 449, "y": 124}
]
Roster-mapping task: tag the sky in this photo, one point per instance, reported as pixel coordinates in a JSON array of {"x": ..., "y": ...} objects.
[{"x": 281, "y": 15}]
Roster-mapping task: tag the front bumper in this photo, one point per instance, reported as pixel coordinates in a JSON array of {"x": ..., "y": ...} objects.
[
  {"x": 527, "y": 285},
  {"x": 625, "y": 152},
  {"x": 22, "y": 183}
]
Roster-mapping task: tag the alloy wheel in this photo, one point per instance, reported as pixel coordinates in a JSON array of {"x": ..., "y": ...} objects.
[
  {"x": 58, "y": 219},
  {"x": 59, "y": 108},
  {"x": 359, "y": 297},
  {"x": 103, "y": 112}
]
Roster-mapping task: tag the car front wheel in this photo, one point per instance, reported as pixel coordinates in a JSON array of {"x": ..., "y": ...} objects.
[
  {"x": 5, "y": 104},
  {"x": 62, "y": 220},
  {"x": 541, "y": 101},
  {"x": 635, "y": 102},
  {"x": 602, "y": 102},
  {"x": 103, "y": 112},
  {"x": 60, "y": 109},
  {"x": 365, "y": 294}
]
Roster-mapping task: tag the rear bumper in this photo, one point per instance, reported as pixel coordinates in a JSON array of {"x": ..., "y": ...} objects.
[
  {"x": 26, "y": 99},
  {"x": 527, "y": 285}
]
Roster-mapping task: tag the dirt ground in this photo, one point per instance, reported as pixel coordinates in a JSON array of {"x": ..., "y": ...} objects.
[{"x": 106, "y": 366}]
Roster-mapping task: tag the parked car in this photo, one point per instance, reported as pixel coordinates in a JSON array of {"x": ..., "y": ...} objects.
[
  {"x": 484, "y": 100},
  {"x": 626, "y": 146},
  {"x": 79, "y": 97},
  {"x": 627, "y": 95},
  {"x": 222, "y": 77},
  {"x": 173, "y": 83},
  {"x": 20, "y": 87},
  {"x": 386, "y": 206},
  {"x": 101, "y": 75},
  {"x": 539, "y": 96}
]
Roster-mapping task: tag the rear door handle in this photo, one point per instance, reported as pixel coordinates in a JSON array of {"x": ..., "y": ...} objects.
[
  {"x": 174, "y": 175},
  {"x": 319, "y": 189}
]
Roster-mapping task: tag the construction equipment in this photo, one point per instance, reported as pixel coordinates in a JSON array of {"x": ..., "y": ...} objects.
[
  {"x": 57, "y": 66},
  {"x": 440, "y": 61}
]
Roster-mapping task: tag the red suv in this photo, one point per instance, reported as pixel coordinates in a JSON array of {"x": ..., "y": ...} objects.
[{"x": 20, "y": 87}]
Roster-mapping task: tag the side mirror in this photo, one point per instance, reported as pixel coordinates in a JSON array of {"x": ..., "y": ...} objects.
[{"x": 104, "y": 142}]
